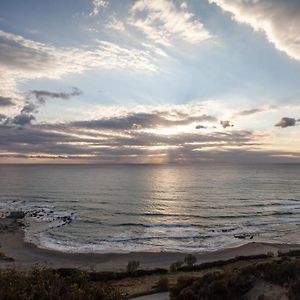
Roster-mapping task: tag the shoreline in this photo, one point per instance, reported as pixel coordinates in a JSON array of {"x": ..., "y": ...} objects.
[{"x": 26, "y": 255}]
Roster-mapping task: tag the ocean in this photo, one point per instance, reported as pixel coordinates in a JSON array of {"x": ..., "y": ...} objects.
[{"x": 122, "y": 208}]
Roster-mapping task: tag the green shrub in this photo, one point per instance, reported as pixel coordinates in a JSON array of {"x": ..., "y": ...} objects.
[
  {"x": 234, "y": 284},
  {"x": 280, "y": 272},
  {"x": 132, "y": 266},
  {"x": 187, "y": 294},
  {"x": 162, "y": 284},
  {"x": 182, "y": 283},
  {"x": 176, "y": 265},
  {"x": 190, "y": 260},
  {"x": 44, "y": 284},
  {"x": 294, "y": 291}
]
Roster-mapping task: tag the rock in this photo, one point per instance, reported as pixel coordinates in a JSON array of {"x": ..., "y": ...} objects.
[
  {"x": 244, "y": 236},
  {"x": 16, "y": 215}
]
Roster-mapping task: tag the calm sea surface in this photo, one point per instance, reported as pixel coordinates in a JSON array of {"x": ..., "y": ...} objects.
[{"x": 153, "y": 208}]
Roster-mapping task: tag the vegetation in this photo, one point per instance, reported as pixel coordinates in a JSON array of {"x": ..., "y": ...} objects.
[
  {"x": 221, "y": 263},
  {"x": 44, "y": 283},
  {"x": 190, "y": 260},
  {"x": 230, "y": 282},
  {"x": 176, "y": 266},
  {"x": 162, "y": 284},
  {"x": 132, "y": 266},
  {"x": 234, "y": 284}
]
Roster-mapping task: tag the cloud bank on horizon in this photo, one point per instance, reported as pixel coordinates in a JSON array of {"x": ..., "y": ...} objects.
[{"x": 143, "y": 81}]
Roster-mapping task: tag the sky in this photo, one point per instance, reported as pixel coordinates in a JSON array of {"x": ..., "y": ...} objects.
[{"x": 149, "y": 81}]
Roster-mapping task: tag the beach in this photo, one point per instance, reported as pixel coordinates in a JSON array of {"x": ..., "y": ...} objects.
[{"x": 26, "y": 255}]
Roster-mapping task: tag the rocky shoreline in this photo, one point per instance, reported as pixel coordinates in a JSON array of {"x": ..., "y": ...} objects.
[{"x": 11, "y": 223}]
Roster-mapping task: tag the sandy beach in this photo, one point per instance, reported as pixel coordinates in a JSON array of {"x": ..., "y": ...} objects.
[{"x": 17, "y": 253}]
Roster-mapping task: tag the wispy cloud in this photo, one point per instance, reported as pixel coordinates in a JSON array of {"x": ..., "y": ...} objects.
[
  {"x": 97, "y": 6},
  {"x": 279, "y": 20},
  {"x": 163, "y": 22},
  {"x": 249, "y": 112},
  {"x": 42, "y": 95},
  {"x": 23, "y": 59}
]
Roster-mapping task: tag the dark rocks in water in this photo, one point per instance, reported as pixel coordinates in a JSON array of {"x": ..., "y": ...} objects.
[
  {"x": 228, "y": 229},
  {"x": 66, "y": 219},
  {"x": 16, "y": 215},
  {"x": 243, "y": 236}
]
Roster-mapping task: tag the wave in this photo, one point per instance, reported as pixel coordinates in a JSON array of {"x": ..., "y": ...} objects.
[
  {"x": 212, "y": 217},
  {"x": 158, "y": 225}
]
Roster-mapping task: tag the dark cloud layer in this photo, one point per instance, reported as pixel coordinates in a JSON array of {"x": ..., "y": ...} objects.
[
  {"x": 45, "y": 141},
  {"x": 115, "y": 139},
  {"x": 142, "y": 120},
  {"x": 127, "y": 139}
]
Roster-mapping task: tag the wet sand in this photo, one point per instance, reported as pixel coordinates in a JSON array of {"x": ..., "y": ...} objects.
[{"x": 25, "y": 255}]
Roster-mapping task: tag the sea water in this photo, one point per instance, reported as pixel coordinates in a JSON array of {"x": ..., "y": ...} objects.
[{"x": 188, "y": 208}]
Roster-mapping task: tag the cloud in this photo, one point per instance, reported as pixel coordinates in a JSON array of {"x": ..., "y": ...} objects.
[
  {"x": 200, "y": 127},
  {"x": 133, "y": 137},
  {"x": 286, "y": 122},
  {"x": 29, "y": 107},
  {"x": 64, "y": 141},
  {"x": 116, "y": 25},
  {"x": 22, "y": 59},
  {"x": 250, "y": 112},
  {"x": 143, "y": 120},
  {"x": 226, "y": 124},
  {"x": 279, "y": 20},
  {"x": 162, "y": 21},
  {"x": 23, "y": 119},
  {"x": 42, "y": 95},
  {"x": 160, "y": 134},
  {"x": 6, "y": 101},
  {"x": 97, "y": 6}
]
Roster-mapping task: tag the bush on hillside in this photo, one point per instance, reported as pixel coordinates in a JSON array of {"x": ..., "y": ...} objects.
[
  {"x": 190, "y": 260},
  {"x": 43, "y": 284},
  {"x": 132, "y": 266}
]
